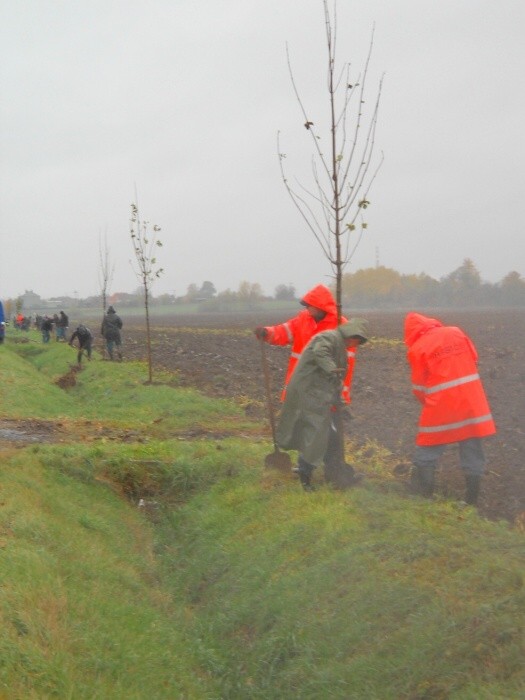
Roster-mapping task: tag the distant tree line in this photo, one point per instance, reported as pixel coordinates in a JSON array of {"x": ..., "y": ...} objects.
[
  {"x": 381, "y": 287},
  {"x": 375, "y": 287},
  {"x": 384, "y": 288}
]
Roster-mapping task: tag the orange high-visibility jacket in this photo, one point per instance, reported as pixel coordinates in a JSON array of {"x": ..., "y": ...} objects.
[
  {"x": 445, "y": 379},
  {"x": 299, "y": 330}
]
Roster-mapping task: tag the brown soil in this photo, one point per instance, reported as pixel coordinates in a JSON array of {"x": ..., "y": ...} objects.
[
  {"x": 219, "y": 355},
  {"x": 68, "y": 380}
]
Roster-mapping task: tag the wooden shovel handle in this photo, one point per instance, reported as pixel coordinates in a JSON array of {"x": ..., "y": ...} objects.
[{"x": 267, "y": 386}]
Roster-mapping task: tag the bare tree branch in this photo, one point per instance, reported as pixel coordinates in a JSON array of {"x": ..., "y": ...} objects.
[
  {"x": 145, "y": 242},
  {"x": 343, "y": 178},
  {"x": 106, "y": 269}
]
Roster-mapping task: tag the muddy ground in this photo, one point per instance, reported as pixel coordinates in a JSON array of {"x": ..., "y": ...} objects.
[{"x": 219, "y": 355}]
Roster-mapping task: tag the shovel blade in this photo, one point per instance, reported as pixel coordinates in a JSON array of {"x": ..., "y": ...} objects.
[{"x": 278, "y": 460}]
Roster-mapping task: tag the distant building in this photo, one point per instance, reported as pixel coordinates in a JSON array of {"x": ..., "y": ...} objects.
[
  {"x": 125, "y": 299},
  {"x": 31, "y": 301}
]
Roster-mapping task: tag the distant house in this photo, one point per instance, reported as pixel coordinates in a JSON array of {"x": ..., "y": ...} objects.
[
  {"x": 60, "y": 302},
  {"x": 31, "y": 301},
  {"x": 124, "y": 299}
]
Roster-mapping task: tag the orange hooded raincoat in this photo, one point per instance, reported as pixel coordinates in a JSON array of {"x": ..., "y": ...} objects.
[
  {"x": 299, "y": 330},
  {"x": 445, "y": 379}
]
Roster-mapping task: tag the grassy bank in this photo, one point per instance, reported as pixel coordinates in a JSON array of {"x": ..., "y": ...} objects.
[{"x": 139, "y": 562}]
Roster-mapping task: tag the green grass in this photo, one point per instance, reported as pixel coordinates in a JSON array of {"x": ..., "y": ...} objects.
[
  {"x": 105, "y": 391},
  {"x": 83, "y": 613},
  {"x": 350, "y": 595},
  {"x": 159, "y": 566}
]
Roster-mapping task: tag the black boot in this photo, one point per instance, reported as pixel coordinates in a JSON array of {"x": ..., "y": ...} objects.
[
  {"x": 422, "y": 480},
  {"x": 337, "y": 472},
  {"x": 305, "y": 474},
  {"x": 341, "y": 476},
  {"x": 473, "y": 482}
]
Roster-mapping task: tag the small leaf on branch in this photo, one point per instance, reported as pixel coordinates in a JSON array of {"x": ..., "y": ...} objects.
[
  {"x": 363, "y": 203},
  {"x": 350, "y": 227},
  {"x": 307, "y": 125}
]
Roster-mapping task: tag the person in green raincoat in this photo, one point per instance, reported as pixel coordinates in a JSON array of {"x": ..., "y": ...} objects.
[{"x": 305, "y": 421}]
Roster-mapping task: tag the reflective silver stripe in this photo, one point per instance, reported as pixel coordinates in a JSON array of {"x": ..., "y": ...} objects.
[
  {"x": 445, "y": 385},
  {"x": 455, "y": 426},
  {"x": 288, "y": 332},
  {"x": 350, "y": 353},
  {"x": 297, "y": 355}
]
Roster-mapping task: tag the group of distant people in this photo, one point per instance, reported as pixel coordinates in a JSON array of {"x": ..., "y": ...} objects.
[
  {"x": 445, "y": 379},
  {"x": 58, "y": 324},
  {"x": 110, "y": 331}
]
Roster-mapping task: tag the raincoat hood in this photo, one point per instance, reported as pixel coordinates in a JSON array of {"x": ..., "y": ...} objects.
[
  {"x": 320, "y": 297},
  {"x": 357, "y": 327},
  {"x": 417, "y": 325}
]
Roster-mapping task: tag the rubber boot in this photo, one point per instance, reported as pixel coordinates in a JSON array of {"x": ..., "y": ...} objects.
[
  {"x": 305, "y": 471},
  {"x": 422, "y": 480},
  {"x": 337, "y": 471},
  {"x": 341, "y": 476},
  {"x": 473, "y": 482}
]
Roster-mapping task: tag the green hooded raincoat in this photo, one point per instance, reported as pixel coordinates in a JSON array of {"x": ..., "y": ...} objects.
[{"x": 304, "y": 423}]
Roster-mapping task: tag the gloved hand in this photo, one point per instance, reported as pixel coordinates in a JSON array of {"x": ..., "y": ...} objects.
[
  {"x": 261, "y": 333},
  {"x": 339, "y": 372}
]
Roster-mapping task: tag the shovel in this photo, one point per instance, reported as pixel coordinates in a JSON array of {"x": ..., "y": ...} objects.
[{"x": 276, "y": 459}]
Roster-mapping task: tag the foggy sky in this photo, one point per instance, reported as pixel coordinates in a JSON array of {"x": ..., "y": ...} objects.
[{"x": 182, "y": 100}]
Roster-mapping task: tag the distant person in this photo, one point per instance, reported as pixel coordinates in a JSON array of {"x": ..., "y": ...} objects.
[
  {"x": 445, "y": 380},
  {"x": 62, "y": 325},
  {"x": 319, "y": 314},
  {"x": 2, "y": 323},
  {"x": 305, "y": 423},
  {"x": 45, "y": 328},
  {"x": 85, "y": 342},
  {"x": 110, "y": 331}
]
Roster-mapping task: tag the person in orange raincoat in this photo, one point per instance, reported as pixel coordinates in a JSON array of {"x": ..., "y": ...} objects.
[
  {"x": 319, "y": 314},
  {"x": 446, "y": 381}
]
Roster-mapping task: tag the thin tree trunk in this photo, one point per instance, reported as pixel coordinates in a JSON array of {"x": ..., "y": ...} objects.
[{"x": 148, "y": 333}]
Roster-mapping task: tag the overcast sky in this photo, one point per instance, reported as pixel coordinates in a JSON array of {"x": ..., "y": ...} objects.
[{"x": 183, "y": 100}]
